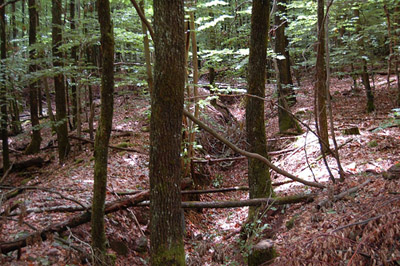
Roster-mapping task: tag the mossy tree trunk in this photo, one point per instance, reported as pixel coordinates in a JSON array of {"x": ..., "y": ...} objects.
[
  {"x": 36, "y": 139},
  {"x": 74, "y": 57},
  {"x": 320, "y": 86},
  {"x": 103, "y": 133},
  {"x": 167, "y": 247},
  {"x": 286, "y": 95},
  {"x": 258, "y": 175},
  {"x": 61, "y": 106},
  {"x": 3, "y": 90}
]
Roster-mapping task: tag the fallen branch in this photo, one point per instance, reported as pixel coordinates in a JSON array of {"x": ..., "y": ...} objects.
[
  {"x": 110, "y": 146},
  {"x": 324, "y": 203},
  {"x": 250, "y": 154},
  {"x": 72, "y": 222},
  {"x": 212, "y": 161}
]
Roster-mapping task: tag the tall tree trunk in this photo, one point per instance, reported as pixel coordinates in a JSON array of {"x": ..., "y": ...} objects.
[
  {"x": 59, "y": 84},
  {"x": 147, "y": 52},
  {"x": 258, "y": 175},
  {"x": 397, "y": 56},
  {"x": 320, "y": 86},
  {"x": 34, "y": 146},
  {"x": 167, "y": 247},
  {"x": 103, "y": 133},
  {"x": 74, "y": 57},
  {"x": 3, "y": 90},
  {"x": 286, "y": 95},
  {"x": 364, "y": 70}
]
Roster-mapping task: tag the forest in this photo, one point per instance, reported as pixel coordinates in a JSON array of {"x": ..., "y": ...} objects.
[{"x": 200, "y": 132}]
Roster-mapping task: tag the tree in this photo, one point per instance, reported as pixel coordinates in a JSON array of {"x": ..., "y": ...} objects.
[
  {"x": 103, "y": 133},
  {"x": 34, "y": 146},
  {"x": 61, "y": 107},
  {"x": 320, "y": 86},
  {"x": 166, "y": 215},
  {"x": 286, "y": 95},
  {"x": 364, "y": 67},
  {"x": 3, "y": 89},
  {"x": 74, "y": 57},
  {"x": 258, "y": 175}
]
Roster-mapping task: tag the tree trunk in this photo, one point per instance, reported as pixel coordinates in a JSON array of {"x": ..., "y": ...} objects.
[
  {"x": 74, "y": 57},
  {"x": 61, "y": 107},
  {"x": 36, "y": 139},
  {"x": 147, "y": 52},
  {"x": 103, "y": 133},
  {"x": 320, "y": 86},
  {"x": 167, "y": 247},
  {"x": 364, "y": 71},
  {"x": 286, "y": 95},
  {"x": 258, "y": 175},
  {"x": 3, "y": 90}
]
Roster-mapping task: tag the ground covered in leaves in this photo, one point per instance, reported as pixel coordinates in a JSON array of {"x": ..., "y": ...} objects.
[{"x": 362, "y": 228}]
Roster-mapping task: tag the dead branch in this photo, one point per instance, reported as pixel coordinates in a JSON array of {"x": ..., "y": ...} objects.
[
  {"x": 72, "y": 222},
  {"x": 250, "y": 154},
  {"x": 110, "y": 146},
  {"x": 324, "y": 203},
  {"x": 212, "y": 161},
  {"x": 245, "y": 203}
]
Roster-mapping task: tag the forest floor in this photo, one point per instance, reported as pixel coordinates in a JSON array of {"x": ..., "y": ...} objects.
[{"x": 363, "y": 228}]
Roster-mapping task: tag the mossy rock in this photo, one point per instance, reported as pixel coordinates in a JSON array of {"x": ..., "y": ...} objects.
[{"x": 262, "y": 253}]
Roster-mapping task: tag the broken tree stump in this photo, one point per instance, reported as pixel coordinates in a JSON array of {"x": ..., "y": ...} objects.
[{"x": 262, "y": 253}]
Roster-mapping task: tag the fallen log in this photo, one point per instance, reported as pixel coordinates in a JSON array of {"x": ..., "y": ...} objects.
[
  {"x": 72, "y": 222},
  {"x": 250, "y": 154},
  {"x": 19, "y": 166},
  {"x": 245, "y": 203},
  {"x": 191, "y": 204},
  {"x": 110, "y": 146}
]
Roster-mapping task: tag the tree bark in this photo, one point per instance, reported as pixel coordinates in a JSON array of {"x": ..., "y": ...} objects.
[
  {"x": 103, "y": 133},
  {"x": 36, "y": 139},
  {"x": 74, "y": 57},
  {"x": 61, "y": 107},
  {"x": 3, "y": 90},
  {"x": 167, "y": 247},
  {"x": 258, "y": 172},
  {"x": 286, "y": 95},
  {"x": 320, "y": 86},
  {"x": 147, "y": 51}
]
